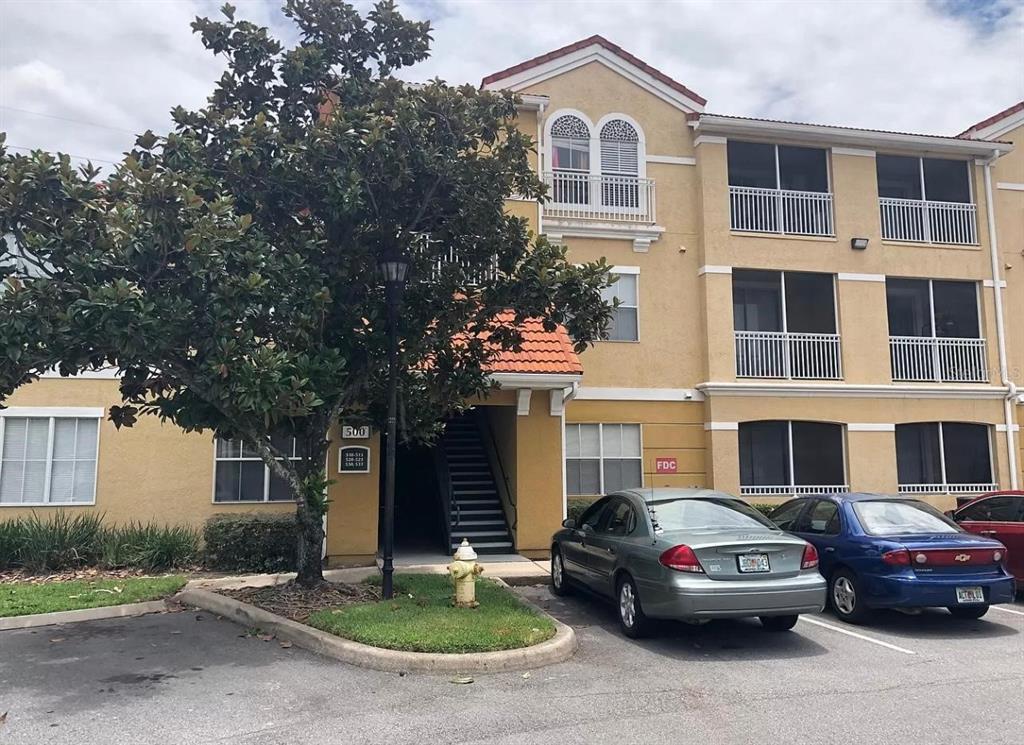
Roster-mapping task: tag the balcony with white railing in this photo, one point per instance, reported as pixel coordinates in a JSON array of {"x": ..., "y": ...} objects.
[
  {"x": 938, "y": 359},
  {"x": 784, "y": 490},
  {"x": 951, "y": 489},
  {"x": 783, "y": 354},
  {"x": 600, "y": 198},
  {"x": 921, "y": 221},
  {"x": 781, "y": 211}
]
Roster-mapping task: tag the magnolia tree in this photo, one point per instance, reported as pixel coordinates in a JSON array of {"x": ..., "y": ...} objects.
[{"x": 229, "y": 269}]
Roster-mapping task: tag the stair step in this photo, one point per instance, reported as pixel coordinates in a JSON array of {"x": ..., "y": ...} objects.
[
  {"x": 495, "y": 514},
  {"x": 473, "y": 482},
  {"x": 482, "y": 547},
  {"x": 480, "y": 533},
  {"x": 480, "y": 525},
  {"x": 462, "y": 503}
]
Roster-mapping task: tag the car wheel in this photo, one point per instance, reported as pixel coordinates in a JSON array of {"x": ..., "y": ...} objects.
[
  {"x": 559, "y": 579},
  {"x": 779, "y": 623},
  {"x": 845, "y": 597},
  {"x": 968, "y": 611},
  {"x": 634, "y": 623}
]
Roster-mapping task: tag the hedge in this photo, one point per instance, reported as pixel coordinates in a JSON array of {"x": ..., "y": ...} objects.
[{"x": 250, "y": 543}]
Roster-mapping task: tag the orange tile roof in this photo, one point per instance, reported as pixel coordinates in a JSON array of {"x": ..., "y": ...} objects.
[
  {"x": 1019, "y": 106},
  {"x": 602, "y": 42},
  {"x": 542, "y": 352}
]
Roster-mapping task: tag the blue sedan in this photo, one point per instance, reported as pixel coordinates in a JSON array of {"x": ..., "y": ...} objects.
[{"x": 889, "y": 552}]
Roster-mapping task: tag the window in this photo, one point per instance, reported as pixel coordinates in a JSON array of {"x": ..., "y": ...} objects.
[
  {"x": 570, "y": 144},
  {"x": 785, "y": 515},
  {"x": 994, "y": 509},
  {"x": 602, "y": 458},
  {"x": 928, "y": 179},
  {"x": 48, "y": 460},
  {"x": 241, "y": 475},
  {"x": 823, "y": 519},
  {"x": 885, "y": 517},
  {"x": 593, "y": 515},
  {"x": 625, "y": 320},
  {"x": 620, "y": 165},
  {"x": 926, "y": 200},
  {"x": 706, "y": 513},
  {"x": 781, "y": 457},
  {"x": 943, "y": 457},
  {"x": 619, "y": 519}
]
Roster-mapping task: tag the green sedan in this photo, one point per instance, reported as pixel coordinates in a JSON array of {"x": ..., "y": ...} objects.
[{"x": 686, "y": 554}]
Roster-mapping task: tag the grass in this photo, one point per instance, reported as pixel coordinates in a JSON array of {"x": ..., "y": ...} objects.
[
  {"x": 22, "y": 599},
  {"x": 421, "y": 619}
]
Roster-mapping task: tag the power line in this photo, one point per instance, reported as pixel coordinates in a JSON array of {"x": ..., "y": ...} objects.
[
  {"x": 67, "y": 119},
  {"x": 70, "y": 155}
]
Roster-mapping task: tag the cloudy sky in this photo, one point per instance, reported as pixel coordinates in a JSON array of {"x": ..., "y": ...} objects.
[{"x": 82, "y": 76}]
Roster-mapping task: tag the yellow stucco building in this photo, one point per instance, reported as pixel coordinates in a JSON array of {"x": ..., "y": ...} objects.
[{"x": 803, "y": 309}]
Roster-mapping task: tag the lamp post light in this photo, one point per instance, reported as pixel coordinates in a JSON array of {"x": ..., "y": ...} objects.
[{"x": 394, "y": 267}]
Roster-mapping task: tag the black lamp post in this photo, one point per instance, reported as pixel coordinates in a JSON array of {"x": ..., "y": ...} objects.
[{"x": 394, "y": 267}]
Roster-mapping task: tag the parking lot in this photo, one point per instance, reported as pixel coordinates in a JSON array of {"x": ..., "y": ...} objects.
[{"x": 190, "y": 678}]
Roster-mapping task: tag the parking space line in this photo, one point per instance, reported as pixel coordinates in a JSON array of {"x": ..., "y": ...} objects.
[
  {"x": 1006, "y": 610},
  {"x": 854, "y": 634}
]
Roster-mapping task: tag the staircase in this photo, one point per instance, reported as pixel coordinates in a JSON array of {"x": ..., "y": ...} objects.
[{"x": 476, "y": 511}]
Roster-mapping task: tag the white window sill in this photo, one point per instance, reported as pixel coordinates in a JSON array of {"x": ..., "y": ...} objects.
[{"x": 48, "y": 504}]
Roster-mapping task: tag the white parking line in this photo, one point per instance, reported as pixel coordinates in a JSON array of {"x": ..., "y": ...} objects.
[
  {"x": 854, "y": 634},
  {"x": 1007, "y": 610}
]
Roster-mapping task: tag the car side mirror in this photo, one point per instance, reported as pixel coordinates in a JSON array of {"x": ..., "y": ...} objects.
[{"x": 568, "y": 523}]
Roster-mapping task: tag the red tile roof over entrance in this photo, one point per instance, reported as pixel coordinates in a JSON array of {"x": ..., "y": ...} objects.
[
  {"x": 602, "y": 42},
  {"x": 542, "y": 352}
]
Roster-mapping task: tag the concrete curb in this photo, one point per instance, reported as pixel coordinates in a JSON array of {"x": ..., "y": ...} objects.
[
  {"x": 557, "y": 649},
  {"x": 127, "y": 610}
]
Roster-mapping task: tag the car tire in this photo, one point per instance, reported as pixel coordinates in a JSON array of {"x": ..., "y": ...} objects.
[
  {"x": 846, "y": 598},
  {"x": 632, "y": 620},
  {"x": 968, "y": 612},
  {"x": 559, "y": 577},
  {"x": 779, "y": 623}
]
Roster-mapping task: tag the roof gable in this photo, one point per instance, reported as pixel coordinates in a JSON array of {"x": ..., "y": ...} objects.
[
  {"x": 600, "y": 50},
  {"x": 997, "y": 124}
]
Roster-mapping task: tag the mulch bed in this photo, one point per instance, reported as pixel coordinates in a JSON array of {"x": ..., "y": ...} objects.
[
  {"x": 21, "y": 576},
  {"x": 297, "y": 603}
]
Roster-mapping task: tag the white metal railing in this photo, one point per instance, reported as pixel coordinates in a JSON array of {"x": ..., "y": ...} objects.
[
  {"x": 782, "y": 211},
  {"x": 947, "y": 488},
  {"x": 939, "y": 359},
  {"x": 791, "y": 490},
  {"x": 782, "y": 354},
  {"x": 923, "y": 221},
  {"x": 586, "y": 196}
]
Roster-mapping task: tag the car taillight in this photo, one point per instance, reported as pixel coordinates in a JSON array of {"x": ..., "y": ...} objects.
[
  {"x": 898, "y": 558},
  {"x": 682, "y": 559},
  {"x": 810, "y": 559}
]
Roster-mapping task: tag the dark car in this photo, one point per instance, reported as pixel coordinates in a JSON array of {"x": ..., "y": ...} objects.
[
  {"x": 998, "y": 515},
  {"x": 878, "y": 551}
]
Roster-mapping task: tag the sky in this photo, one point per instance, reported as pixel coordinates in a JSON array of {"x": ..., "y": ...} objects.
[{"x": 84, "y": 76}]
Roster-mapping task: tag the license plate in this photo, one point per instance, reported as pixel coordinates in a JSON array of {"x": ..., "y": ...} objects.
[
  {"x": 754, "y": 563},
  {"x": 969, "y": 595}
]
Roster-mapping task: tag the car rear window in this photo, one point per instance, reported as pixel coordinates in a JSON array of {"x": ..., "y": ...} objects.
[
  {"x": 707, "y": 514},
  {"x": 886, "y": 517}
]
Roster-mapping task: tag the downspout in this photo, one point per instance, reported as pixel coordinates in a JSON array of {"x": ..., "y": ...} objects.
[
  {"x": 1004, "y": 377},
  {"x": 568, "y": 394}
]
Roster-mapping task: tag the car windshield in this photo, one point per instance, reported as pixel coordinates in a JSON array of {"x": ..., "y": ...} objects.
[
  {"x": 902, "y": 518},
  {"x": 707, "y": 513}
]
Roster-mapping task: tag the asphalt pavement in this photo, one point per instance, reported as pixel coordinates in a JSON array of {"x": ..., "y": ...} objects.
[{"x": 188, "y": 677}]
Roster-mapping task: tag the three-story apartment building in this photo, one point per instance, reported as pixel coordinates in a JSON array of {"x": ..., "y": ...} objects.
[{"x": 801, "y": 309}]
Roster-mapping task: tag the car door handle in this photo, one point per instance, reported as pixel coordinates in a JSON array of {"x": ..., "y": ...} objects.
[
  {"x": 830, "y": 549},
  {"x": 610, "y": 549},
  {"x": 987, "y": 532}
]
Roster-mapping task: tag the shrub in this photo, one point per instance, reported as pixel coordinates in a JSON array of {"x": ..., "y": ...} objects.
[
  {"x": 577, "y": 507},
  {"x": 763, "y": 508},
  {"x": 250, "y": 543},
  {"x": 61, "y": 541}
]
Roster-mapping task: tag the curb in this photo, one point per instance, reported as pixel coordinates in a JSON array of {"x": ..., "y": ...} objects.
[
  {"x": 127, "y": 610},
  {"x": 558, "y": 648}
]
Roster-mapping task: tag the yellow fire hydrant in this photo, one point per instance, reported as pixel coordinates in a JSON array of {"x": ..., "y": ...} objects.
[{"x": 464, "y": 571}]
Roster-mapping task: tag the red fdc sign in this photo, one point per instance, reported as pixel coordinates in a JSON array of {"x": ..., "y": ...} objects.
[{"x": 665, "y": 465}]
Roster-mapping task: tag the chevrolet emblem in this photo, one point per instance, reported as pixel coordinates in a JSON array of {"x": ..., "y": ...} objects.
[{"x": 962, "y": 557}]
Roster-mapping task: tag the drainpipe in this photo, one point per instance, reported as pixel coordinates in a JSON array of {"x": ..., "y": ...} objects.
[
  {"x": 568, "y": 394},
  {"x": 1004, "y": 377}
]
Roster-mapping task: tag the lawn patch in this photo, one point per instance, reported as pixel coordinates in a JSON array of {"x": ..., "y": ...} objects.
[
  {"x": 421, "y": 618},
  {"x": 23, "y": 599}
]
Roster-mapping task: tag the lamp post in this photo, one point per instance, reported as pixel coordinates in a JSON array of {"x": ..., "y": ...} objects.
[{"x": 394, "y": 267}]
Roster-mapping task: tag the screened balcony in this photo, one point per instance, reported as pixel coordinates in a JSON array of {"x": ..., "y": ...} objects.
[
  {"x": 779, "y": 189},
  {"x": 926, "y": 200},
  {"x": 785, "y": 325},
  {"x": 783, "y": 458},
  {"x": 934, "y": 331},
  {"x": 944, "y": 458}
]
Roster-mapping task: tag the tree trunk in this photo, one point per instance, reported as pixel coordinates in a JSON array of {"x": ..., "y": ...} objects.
[{"x": 309, "y": 545}]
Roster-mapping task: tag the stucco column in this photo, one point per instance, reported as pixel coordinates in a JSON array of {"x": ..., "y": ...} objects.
[
  {"x": 355, "y": 504},
  {"x": 871, "y": 461},
  {"x": 723, "y": 447},
  {"x": 864, "y": 331},
  {"x": 538, "y": 476},
  {"x": 721, "y": 365}
]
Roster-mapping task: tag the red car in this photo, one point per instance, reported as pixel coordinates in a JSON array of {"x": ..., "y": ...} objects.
[{"x": 999, "y": 515}]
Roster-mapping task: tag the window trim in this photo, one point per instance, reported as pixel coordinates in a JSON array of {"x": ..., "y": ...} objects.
[
  {"x": 943, "y": 486},
  {"x": 635, "y": 272},
  {"x": 51, "y": 414},
  {"x": 266, "y": 478},
  {"x": 600, "y": 458}
]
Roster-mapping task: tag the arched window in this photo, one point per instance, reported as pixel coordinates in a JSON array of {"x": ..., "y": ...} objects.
[
  {"x": 620, "y": 164},
  {"x": 570, "y": 160}
]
